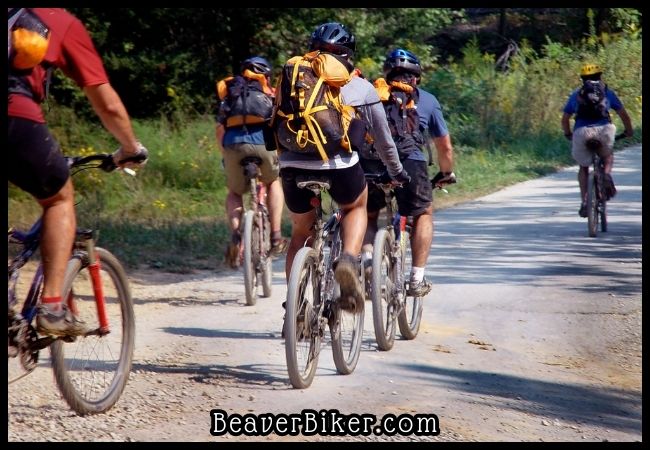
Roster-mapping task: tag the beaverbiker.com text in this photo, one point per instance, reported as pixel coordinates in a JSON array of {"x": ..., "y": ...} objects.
[{"x": 324, "y": 423}]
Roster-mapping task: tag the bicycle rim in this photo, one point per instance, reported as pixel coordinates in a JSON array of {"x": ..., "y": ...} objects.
[
  {"x": 592, "y": 206},
  {"x": 301, "y": 333},
  {"x": 251, "y": 247},
  {"x": 383, "y": 290},
  {"x": 92, "y": 371}
]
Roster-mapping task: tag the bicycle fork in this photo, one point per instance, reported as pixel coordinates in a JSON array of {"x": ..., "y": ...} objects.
[{"x": 94, "y": 269}]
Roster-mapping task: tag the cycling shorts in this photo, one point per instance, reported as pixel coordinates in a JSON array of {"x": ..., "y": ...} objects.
[
  {"x": 414, "y": 198},
  {"x": 34, "y": 161},
  {"x": 232, "y": 156},
  {"x": 346, "y": 185}
]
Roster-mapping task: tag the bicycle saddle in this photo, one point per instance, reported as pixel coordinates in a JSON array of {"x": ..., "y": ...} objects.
[{"x": 313, "y": 183}]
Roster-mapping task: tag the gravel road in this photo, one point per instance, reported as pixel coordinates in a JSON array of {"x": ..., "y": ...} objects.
[{"x": 532, "y": 333}]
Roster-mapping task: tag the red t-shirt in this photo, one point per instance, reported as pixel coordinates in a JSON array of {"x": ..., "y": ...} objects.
[{"x": 70, "y": 49}]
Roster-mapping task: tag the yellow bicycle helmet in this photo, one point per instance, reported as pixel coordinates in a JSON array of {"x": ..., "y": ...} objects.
[{"x": 590, "y": 69}]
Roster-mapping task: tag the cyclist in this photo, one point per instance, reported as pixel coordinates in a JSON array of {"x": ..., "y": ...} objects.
[
  {"x": 35, "y": 159},
  {"x": 415, "y": 198},
  {"x": 239, "y": 141},
  {"x": 348, "y": 185},
  {"x": 592, "y": 122}
]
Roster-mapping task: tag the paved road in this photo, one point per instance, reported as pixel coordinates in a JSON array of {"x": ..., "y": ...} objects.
[{"x": 532, "y": 332}]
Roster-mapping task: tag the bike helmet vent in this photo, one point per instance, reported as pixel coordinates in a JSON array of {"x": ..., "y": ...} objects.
[{"x": 333, "y": 37}]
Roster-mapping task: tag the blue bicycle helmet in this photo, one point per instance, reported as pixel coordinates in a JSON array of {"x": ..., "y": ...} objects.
[
  {"x": 333, "y": 37},
  {"x": 257, "y": 64},
  {"x": 402, "y": 60}
]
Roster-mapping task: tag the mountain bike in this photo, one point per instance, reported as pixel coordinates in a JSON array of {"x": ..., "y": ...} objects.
[
  {"x": 311, "y": 294},
  {"x": 388, "y": 285},
  {"x": 596, "y": 197},
  {"x": 91, "y": 371},
  {"x": 256, "y": 235}
]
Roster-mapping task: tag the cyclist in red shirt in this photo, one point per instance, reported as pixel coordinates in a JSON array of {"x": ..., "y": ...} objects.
[{"x": 34, "y": 157}]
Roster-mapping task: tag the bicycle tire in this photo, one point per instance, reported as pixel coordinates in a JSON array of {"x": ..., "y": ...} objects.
[
  {"x": 592, "y": 206},
  {"x": 250, "y": 249},
  {"x": 266, "y": 263},
  {"x": 346, "y": 328},
  {"x": 92, "y": 387},
  {"x": 410, "y": 316},
  {"x": 382, "y": 290},
  {"x": 603, "y": 216},
  {"x": 302, "y": 342}
]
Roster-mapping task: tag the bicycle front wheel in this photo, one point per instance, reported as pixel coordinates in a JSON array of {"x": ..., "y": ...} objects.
[
  {"x": 301, "y": 321},
  {"x": 603, "y": 215},
  {"x": 592, "y": 206},
  {"x": 251, "y": 244},
  {"x": 92, "y": 371},
  {"x": 410, "y": 316},
  {"x": 382, "y": 290}
]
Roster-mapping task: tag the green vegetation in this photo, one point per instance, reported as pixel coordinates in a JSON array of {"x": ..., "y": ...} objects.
[{"x": 505, "y": 127}]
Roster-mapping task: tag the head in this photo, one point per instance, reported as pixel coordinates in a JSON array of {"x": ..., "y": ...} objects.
[
  {"x": 257, "y": 64},
  {"x": 335, "y": 38},
  {"x": 401, "y": 63},
  {"x": 591, "y": 72}
]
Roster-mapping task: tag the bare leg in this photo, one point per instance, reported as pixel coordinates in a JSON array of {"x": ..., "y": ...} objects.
[
  {"x": 300, "y": 232},
  {"x": 422, "y": 237},
  {"x": 583, "y": 174},
  {"x": 59, "y": 226},
  {"x": 353, "y": 224},
  {"x": 234, "y": 208},
  {"x": 275, "y": 203}
]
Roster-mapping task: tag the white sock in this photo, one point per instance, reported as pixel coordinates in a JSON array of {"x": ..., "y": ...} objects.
[
  {"x": 417, "y": 274},
  {"x": 366, "y": 255}
]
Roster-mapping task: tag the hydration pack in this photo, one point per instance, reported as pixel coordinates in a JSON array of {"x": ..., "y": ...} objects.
[
  {"x": 400, "y": 103},
  {"x": 592, "y": 101},
  {"x": 309, "y": 115},
  {"x": 245, "y": 100}
]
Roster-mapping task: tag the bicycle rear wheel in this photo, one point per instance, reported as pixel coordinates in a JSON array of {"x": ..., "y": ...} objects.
[
  {"x": 410, "y": 316},
  {"x": 383, "y": 289},
  {"x": 250, "y": 240},
  {"x": 592, "y": 206},
  {"x": 301, "y": 326},
  {"x": 346, "y": 330},
  {"x": 266, "y": 263},
  {"x": 92, "y": 371},
  {"x": 603, "y": 215}
]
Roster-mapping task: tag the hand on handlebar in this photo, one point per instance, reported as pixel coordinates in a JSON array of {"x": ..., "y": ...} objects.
[
  {"x": 125, "y": 160},
  {"x": 443, "y": 178},
  {"x": 398, "y": 180}
]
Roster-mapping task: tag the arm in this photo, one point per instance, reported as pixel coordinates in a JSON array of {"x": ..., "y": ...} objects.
[
  {"x": 566, "y": 125},
  {"x": 383, "y": 141},
  {"x": 221, "y": 131},
  {"x": 111, "y": 111},
  {"x": 445, "y": 153},
  {"x": 627, "y": 122}
]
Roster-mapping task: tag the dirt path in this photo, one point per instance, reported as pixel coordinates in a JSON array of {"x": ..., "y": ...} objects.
[{"x": 532, "y": 332}]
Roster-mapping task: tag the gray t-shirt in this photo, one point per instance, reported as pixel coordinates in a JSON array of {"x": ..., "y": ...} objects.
[{"x": 360, "y": 94}]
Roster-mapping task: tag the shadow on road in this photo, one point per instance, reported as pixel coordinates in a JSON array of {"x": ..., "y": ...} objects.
[{"x": 610, "y": 408}]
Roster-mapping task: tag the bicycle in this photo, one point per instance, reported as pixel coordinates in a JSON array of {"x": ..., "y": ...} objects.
[
  {"x": 596, "y": 197},
  {"x": 311, "y": 294},
  {"x": 91, "y": 371},
  {"x": 256, "y": 235},
  {"x": 388, "y": 285}
]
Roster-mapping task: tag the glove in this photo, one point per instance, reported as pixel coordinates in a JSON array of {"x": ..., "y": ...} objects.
[
  {"x": 569, "y": 136},
  {"x": 402, "y": 178},
  {"x": 137, "y": 160},
  {"x": 442, "y": 178}
]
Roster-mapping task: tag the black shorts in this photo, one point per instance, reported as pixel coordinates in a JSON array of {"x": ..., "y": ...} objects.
[
  {"x": 414, "y": 198},
  {"x": 345, "y": 186},
  {"x": 34, "y": 160}
]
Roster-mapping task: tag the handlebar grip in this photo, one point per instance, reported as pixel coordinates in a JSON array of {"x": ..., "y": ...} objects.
[{"x": 136, "y": 158}]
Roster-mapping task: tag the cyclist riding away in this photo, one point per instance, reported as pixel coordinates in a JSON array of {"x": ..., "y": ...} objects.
[
  {"x": 591, "y": 104},
  {"x": 34, "y": 157},
  {"x": 402, "y": 70},
  {"x": 245, "y": 108},
  {"x": 347, "y": 181}
]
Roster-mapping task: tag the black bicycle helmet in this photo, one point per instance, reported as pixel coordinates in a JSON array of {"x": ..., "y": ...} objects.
[
  {"x": 402, "y": 60},
  {"x": 333, "y": 37},
  {"x": 257, "y": 64}
]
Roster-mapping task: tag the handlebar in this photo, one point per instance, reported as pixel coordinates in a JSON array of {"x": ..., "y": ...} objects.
[
  {"x": 619, "y": 136},
  {"x": 106, "y": 162}
]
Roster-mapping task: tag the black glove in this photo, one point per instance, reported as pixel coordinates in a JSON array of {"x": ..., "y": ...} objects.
[
  {"x": 442, "y": 178},
  {"x": 402, "y": 178}
]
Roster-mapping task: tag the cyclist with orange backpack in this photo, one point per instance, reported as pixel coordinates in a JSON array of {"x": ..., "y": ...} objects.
[
  {"x": 245, "y": 108},
  {"x": 590, "y": 104}
]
